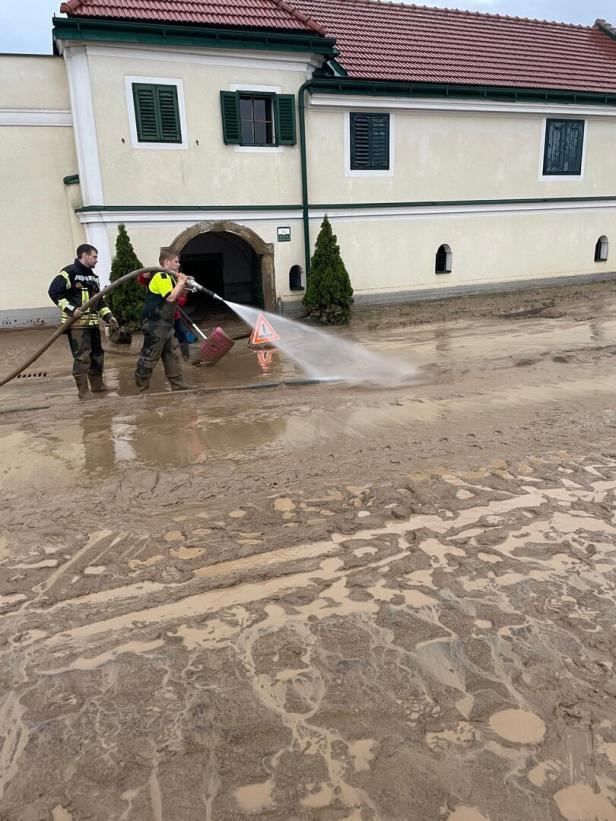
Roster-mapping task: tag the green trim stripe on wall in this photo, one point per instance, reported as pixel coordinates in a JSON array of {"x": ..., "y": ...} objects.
[{"x": 342, "y": 205}]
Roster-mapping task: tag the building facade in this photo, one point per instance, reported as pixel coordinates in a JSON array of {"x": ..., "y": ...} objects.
[{"x": 230, "y": 137}]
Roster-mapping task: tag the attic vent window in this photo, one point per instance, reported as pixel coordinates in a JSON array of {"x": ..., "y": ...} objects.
[
  {"x": 601, "y": 249},
  {"x": 443, "y": 260}
]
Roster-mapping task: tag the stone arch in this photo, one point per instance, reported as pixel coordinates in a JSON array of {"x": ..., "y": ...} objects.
[{"x": 265, "y": 250}]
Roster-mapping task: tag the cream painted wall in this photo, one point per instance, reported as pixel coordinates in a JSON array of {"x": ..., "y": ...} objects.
[
  {"x": 453, "y": 156},
  {"x": 35, "y": 82},
  {"x": 399, "y": 254},
  {"x": 36, "y": 208},
  {"x": 209, "y": 172}
]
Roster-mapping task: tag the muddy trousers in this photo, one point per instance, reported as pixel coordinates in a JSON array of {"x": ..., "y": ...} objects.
[
  {"x": 159, "y": 342},
  {"x": 88, "y": 356}
]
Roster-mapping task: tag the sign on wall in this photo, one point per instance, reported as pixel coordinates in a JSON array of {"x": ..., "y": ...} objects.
[{"x": 284, "y": 233}]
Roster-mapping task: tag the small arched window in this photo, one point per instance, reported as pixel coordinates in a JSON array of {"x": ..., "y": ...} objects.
[
  {"x": 443, "y": 260},
  {"x": 601, "y": 249},
  {"x": 296, "y": 276}
]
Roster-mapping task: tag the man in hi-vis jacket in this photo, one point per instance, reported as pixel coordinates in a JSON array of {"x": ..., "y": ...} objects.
[{"x": 74, "y": 285}]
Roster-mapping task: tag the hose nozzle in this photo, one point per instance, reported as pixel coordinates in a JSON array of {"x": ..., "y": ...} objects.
[{"x": 193, "y": 285}]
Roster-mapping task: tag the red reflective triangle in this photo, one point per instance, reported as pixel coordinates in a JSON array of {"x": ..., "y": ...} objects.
[{"x": 263, "y": 332}]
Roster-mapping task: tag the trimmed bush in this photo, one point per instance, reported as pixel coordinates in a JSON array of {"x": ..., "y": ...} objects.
[
  {"x": 329, "y": 294},
  {"x": 126, "y": 301}
]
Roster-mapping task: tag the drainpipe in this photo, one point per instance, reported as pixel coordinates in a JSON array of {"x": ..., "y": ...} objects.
[{"x": 302, "y": 146}]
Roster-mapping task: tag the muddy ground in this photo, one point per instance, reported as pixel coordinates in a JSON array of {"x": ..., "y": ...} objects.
[{"x": 320, "y": 601}]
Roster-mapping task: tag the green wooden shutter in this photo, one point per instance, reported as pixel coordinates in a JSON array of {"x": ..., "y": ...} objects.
[
  {"x": 229, "y": 104},
  {"x": 169, "y": 115},
  {"x": 379, "y": 141},
  {"x": 360, "y": 141},
  {"x": 285, "y": 119},
  {"x": 145, "y": 112},
  {"x": 564, "y": 141},
  {"x": 157, "y": 113},
  {"x": 574, "y": 136},
  {"x": 369, "y": 141}
]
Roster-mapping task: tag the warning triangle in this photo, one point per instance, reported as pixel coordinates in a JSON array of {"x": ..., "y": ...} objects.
[{"x": 263, "y": 333}]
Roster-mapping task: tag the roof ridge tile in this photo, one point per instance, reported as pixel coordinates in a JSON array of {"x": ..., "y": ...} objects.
[{"x": 313, "y": 24}]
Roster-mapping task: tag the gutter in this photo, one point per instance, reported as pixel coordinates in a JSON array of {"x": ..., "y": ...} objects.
[
  {"x": 171, "y": 34},
  {"x": 304, "y": 166}
]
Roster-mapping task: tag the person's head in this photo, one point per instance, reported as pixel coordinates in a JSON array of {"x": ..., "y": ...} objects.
[
  {"x": 87, "y": 255},
  {"x": 169, "y": 259}
]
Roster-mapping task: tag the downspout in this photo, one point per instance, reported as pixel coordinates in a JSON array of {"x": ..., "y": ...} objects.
[{"x": 304, "y": 161}]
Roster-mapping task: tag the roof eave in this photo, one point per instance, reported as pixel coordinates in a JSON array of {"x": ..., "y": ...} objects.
[
  {"x": 392, "y": 88},
  {"x": 150, "y": 33}
]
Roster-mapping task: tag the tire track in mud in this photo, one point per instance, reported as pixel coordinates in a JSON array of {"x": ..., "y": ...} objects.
[{"x": 419, "y": 643}]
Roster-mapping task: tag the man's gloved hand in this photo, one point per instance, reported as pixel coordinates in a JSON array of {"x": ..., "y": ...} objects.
[{"x": 114, "y": 325}]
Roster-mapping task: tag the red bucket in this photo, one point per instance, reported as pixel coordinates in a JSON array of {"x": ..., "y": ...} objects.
[{"x": 215, "y": 347}]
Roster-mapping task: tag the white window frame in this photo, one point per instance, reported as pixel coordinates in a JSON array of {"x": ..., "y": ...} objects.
[
  {"x": 562, "y": 177},
  {"x": 258, "y": 149},
  {"x": 132, "y": 118},
  {"x": 367, "y": 172}
]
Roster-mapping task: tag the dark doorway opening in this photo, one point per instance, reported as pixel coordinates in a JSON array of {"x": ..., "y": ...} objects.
[{"x": 227, "y": 265}]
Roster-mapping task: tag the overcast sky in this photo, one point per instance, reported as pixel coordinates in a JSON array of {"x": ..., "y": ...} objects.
[{"x": 26, "y": 27}]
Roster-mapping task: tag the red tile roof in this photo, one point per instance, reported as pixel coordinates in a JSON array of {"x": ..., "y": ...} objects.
[
  {"x": 261, "y": 14},
  {"x": 397, "y": 41}
]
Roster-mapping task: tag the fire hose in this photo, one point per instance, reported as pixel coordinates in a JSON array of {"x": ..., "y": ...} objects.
[{"x": 86, "y": 305}]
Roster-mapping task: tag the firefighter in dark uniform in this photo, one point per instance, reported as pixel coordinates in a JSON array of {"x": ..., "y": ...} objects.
[
  {"x": 158, "y": 317},
  {"x": 74, "y": 285}
]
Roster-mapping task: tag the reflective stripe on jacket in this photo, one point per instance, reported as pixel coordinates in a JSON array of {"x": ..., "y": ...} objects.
[{"x": 74, "y": 285}]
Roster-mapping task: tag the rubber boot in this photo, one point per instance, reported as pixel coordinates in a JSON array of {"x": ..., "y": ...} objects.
[
  {"x": 178, "y": 384},
  {"x": 185, "y": 349},
  {"x": 142, "y": 380},
  {"x": 97, "y": 385},
  {"x": 83, "y": 390}
]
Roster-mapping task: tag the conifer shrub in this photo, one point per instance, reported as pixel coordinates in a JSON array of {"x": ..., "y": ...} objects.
[
  {"x": 126, "y": 301},
  {"x": 329, "y": 294}
]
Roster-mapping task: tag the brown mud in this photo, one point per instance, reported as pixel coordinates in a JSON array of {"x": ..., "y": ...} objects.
[{"x": 319, "y": 602}]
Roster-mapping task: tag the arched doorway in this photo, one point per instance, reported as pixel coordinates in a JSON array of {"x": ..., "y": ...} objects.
[{"x": 231, "y": 260}]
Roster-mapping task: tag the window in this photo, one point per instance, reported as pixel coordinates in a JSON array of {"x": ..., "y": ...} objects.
[
  {"x": 296, "y": 275},
  {"x": 258, "y": 119},
  {"x": 369, "y": 142},
  {"x": 601, "y": 249},
  {"x": 564, "y": 140},
  {"x": 157, "y": 114},
  {"x": 443, "y": 260}
]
